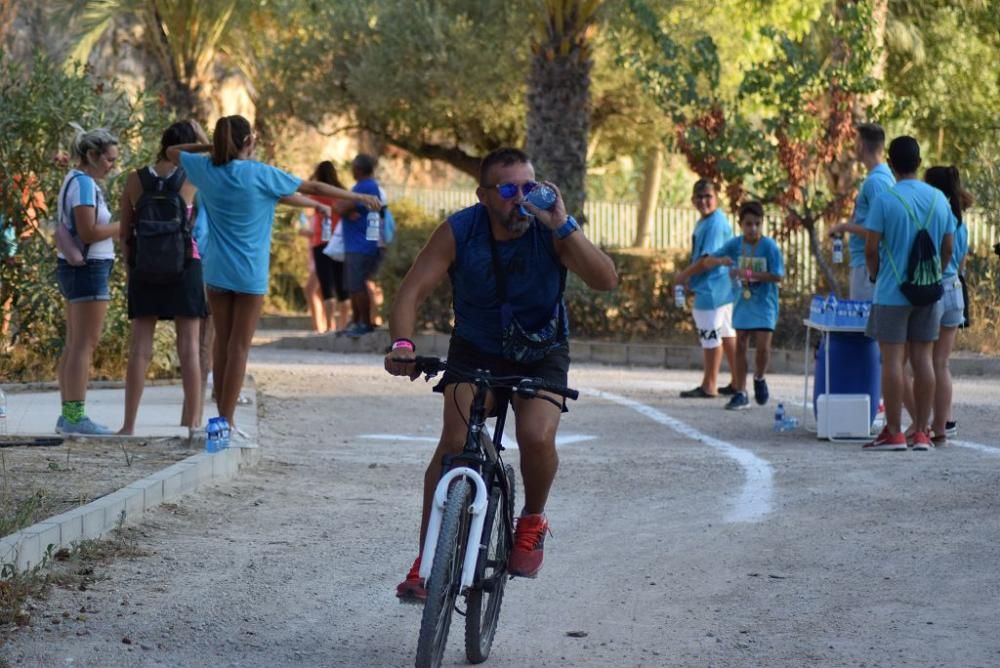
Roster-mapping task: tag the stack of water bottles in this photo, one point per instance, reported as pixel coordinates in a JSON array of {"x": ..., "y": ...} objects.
[
  {"x": 782, "y": 421},
  {"x": 217, "y": 434},
  {"x": 832, "y": 312}
]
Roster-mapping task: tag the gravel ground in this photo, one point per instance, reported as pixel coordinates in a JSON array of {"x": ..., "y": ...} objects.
[{"x": 683, "y": 535}]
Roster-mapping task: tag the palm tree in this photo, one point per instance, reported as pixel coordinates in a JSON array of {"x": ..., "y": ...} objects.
[
  {"x": 558, "y": 99},
  {"x": 183, "y": 37}
]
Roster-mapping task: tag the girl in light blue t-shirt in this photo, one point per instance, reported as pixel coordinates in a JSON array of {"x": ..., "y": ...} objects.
[{"x": 239, "y": 196}]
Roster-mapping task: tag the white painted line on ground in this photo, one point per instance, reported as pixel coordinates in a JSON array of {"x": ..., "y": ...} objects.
[
  {"x": 754, "y": 502},
  {"x": 399, "y": 437},
  {"x": 508, "y": 443},
  {"x": 986, "y": 449}
]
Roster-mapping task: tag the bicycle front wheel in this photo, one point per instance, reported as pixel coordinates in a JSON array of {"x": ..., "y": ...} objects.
[
  {"x": 445, "y": 581},
  {"x": 486, "y": 595}
]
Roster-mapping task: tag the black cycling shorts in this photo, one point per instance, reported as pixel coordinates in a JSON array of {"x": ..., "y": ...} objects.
[{"x": 553, "y": 368}]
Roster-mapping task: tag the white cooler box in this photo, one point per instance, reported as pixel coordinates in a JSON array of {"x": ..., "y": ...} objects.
[{"x": 843, "y": 416}]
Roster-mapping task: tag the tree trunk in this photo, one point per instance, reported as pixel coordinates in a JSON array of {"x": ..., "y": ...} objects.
[
  {"x": 817, "y": 253},
  {"x": 651, "y": 174},
  {"x": 8, "y": 10},
  {"x": 181, "y": 95},
  {"x": 558, "y": 103}
]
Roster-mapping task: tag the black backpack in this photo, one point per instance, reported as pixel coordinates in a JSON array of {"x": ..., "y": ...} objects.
[
  {"x": 161, "y": 235},
  {"x": 923, "y": 267}
]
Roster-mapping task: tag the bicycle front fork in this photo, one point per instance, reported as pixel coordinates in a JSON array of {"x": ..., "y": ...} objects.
[{"x": 479, "y": 503}]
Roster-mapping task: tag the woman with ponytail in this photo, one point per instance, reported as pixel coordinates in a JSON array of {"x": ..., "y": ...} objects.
[
  {"x": 948, "y": 181},
  {"x": 239, "y": 196},
  {"x": 83, "y": 279}
]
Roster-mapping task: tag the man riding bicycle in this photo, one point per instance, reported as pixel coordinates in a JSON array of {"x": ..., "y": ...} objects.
[{"x": 507, "y": 260}]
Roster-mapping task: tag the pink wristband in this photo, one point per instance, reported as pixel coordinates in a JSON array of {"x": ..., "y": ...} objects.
[{"x": 403, "y": 343}]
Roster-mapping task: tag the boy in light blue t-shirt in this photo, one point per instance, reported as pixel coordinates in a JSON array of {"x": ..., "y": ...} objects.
[
  {"x": 713, "y": 292},
  {"x": 757, "y": 265}
]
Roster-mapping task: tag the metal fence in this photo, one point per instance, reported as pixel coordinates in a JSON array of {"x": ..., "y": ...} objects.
[{"x": 613, "y": 225}]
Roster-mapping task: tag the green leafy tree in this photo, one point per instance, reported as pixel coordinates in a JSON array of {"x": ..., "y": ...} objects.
[
  {"x": 942, "y": 78},
  {"x": 790, "y": 119}
]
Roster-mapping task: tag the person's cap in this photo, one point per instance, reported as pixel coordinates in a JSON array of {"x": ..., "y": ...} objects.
[{"x": 904, "y": 150}]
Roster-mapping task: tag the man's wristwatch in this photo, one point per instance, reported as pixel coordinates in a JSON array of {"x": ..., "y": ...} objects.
[{"x": 567, "y": 228}]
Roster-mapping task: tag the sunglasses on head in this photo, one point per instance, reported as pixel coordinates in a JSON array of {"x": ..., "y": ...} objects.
[{"x": 509, "y": 190}]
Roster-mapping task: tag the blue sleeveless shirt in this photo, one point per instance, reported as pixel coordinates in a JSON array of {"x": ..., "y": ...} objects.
[{"x": 533, "y": 274}]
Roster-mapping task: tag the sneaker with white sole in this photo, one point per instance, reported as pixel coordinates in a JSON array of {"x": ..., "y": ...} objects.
[
  {"x": 951, "y": 428},
  {"x": 887, "y": 441},
  {"x": 738, "y": 402},
  {"x": 60, "y": 423},
  {"x": 85, "y": 427}
]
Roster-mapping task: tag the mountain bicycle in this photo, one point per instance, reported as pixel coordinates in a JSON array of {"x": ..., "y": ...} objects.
[{"x": 470, "y": 532}]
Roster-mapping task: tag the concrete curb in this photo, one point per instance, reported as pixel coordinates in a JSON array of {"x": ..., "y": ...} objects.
[
  {"x": 600, "y": 352},
  {"x": 27, "y": 548}
]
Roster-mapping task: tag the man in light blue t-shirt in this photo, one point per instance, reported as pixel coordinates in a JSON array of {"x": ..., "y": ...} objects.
[
  {"x": 894, "y": 220},
  {"x": 713, "y": 292},
  {"x": 869, "y": 150}
]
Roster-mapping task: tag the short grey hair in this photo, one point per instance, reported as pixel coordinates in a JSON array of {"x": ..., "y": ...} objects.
[{"x": 85, "y": 141}]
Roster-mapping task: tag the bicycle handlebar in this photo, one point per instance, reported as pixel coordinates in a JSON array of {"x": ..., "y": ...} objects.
[{"x": 527, "y": 387}]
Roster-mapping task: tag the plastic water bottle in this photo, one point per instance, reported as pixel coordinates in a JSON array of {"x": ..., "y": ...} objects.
[
  {"x": 542, "y": 196},
  {"x": 373, "y": 230},
  {"x": 779, "y": 418},
  {"x": 3, "y": 412},
  {"x": 838, "y": 250},
  {"x": 679, "y": 296},
  {"x": 217, "y": 434},
  {"x": 326, "y": 231}
]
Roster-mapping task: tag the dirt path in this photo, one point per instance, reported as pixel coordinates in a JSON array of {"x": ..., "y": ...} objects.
[{"x": 847, "y": 558}]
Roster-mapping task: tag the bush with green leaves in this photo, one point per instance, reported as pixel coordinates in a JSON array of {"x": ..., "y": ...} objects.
[{"x": 40, "y": 100}]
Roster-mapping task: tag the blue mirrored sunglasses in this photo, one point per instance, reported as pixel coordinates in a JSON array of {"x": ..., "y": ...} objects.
[{"x": 509, "y": 190}]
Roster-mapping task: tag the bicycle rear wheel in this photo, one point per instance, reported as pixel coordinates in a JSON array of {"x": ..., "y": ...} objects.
[
  {"x": 486, "y": 595},
  {"x": 445, "y": 579}
]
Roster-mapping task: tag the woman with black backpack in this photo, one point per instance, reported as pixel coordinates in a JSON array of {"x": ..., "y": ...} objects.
[{"x": 164, "y": 271}]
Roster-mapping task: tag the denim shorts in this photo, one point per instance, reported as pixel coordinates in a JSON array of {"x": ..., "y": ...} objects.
[
  {"x": 86, "y": 283},
  {"x": 953, "y": 303}
]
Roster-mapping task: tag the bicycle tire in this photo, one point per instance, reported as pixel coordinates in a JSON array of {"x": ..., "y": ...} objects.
[
  {"x": 443, "y": 583},
  {"x": 482, "y": 605}
]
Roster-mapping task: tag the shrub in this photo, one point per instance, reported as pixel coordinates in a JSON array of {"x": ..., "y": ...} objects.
[
  {"x": 413, "y": 228},
  {"x": 38, "y": 104}
]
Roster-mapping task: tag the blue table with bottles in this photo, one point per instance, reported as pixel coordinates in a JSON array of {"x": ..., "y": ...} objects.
[{"x": 828, "y": 315}]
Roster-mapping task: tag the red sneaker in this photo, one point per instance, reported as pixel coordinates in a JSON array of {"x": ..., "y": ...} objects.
[
  {"x": 529, "y": 543},
  {"x": 921, "y": 443},
  {"x": 411, "y": 590},
  {"x": 887, "y": 441}
]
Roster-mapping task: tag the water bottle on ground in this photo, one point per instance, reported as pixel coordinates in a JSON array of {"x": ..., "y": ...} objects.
[
  {"x": 3, "y": 413},
  {"x": 838, "y": 250},
  {"x": 679, "y": 296},
  {"x": 779, "y": 418},
  {"x": 373, "y": 230},
  {"x": 217, "y": 434}
]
